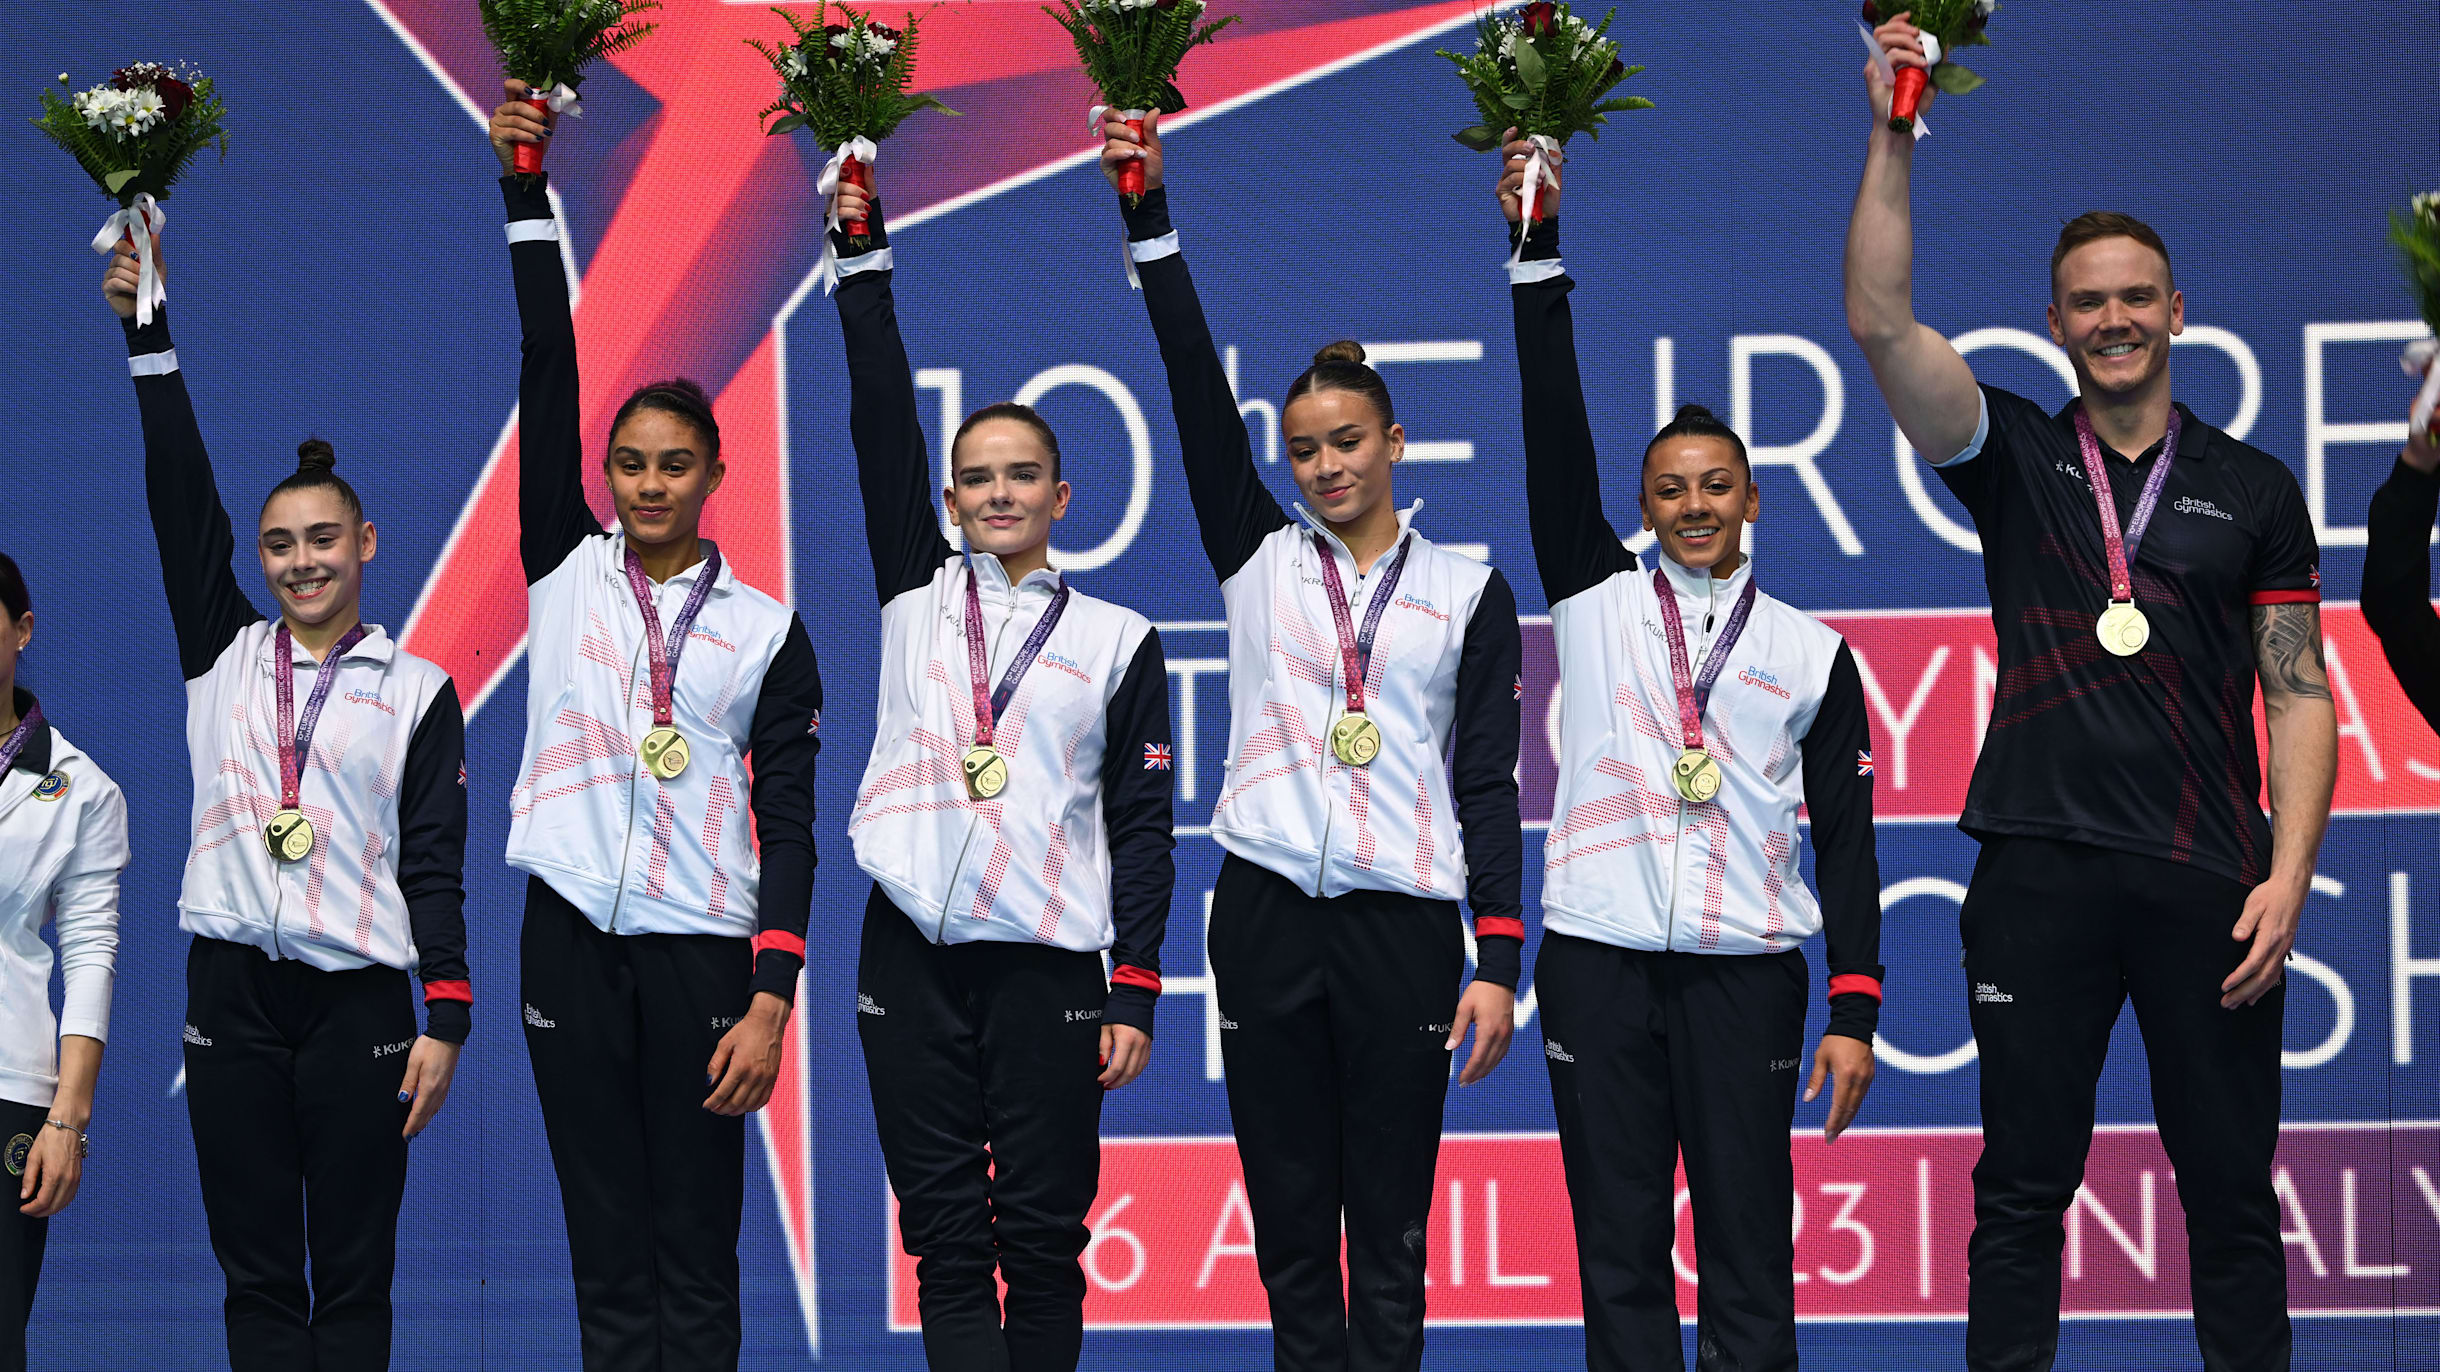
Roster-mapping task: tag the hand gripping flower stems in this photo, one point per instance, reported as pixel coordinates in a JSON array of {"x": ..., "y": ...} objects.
[
  {"x": 548, "y": 44},
  {"x": 846, "y": 81},
  {"x": 1131, "y": 50},
  {"x": 1945, "y": 26},
  {"x": 1546, "y": 75},
  {"x": 135, "y": 135},
  {"x": 2417, "y": 234}
]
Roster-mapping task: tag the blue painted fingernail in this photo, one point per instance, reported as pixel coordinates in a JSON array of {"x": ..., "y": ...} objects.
[
  {"x": 405, "y": 1096},
  {"x": 707, "y": 1078}
]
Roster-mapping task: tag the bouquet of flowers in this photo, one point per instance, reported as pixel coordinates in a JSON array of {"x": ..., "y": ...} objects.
[
  {"x": 848, "y": 83},
  {"x": 1550, "y": 74},
  {"x": 547, "y": 44},
  {"x": 135, "y": 135},
  {"x": 2417, "y": 234},
  {"x": 1131, "y": 50},
  {"x": 1947, "y": 26}
]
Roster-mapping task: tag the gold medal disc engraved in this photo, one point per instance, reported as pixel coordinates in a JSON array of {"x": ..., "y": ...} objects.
[
  {"x": 289, "y": 836},
  {"x": 1696, "y": 775},
  {"x": 986, "y": 772},
  {"x": 664, "y": 752},
  {"x": 1356, "y": 740},
  {"x": 2123, "y": 629}
]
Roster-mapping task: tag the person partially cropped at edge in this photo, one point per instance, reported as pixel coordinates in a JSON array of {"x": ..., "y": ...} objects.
[
  {"x": 1671, "y": 984},
  {"x": 1015, "y": 818},
  {"x": 63, "y": 843},
  {"x": 1361, "y": 655},
  {"x": 2123, "y": 853},
  {"x": 326, "y": 862},
  {"x": 2398, "y": 572},
  {"x": 663, "y": 933}
]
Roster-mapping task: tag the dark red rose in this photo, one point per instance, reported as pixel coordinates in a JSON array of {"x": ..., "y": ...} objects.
[
  {"x": 1164, "y": 4},
  {"x": 1541, "y": 19},
  {"x": 1618, "y": 68},
  {"x": 830, "y": 31},
  {"x": 175, "y": 95},
  {"x": 1872, "y": 13},
  {"x": 1976, "y": 21},
  {"x": 884, "y": 30}
]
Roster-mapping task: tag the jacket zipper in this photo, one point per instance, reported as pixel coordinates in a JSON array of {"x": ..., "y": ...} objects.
[
  {"x": 973, "y": 821},
  {"x": 1677, "y": 850},
  {"x": 635, "y": 780}
]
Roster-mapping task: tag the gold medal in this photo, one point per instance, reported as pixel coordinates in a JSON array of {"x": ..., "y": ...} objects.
[
  {"x": 1696, "y": 775},
  {"x": 289, "y": 836},
  {"x": 664, "y": 752},
  {"x": 986, "y": 772},
  {"x": 2123, "y": 629},
  {"x": 1355, "y": 739}
]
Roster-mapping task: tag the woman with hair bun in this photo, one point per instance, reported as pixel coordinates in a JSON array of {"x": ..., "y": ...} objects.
[
  {"x": 328, "y": 842},
  {"x": 661, "y": 949},
  {"x": 1361, "y": 655},
  {"x": 1697, "y": 713},
  {"x": 1015, "y": 819},
  {"x": 63, "y": 841}
]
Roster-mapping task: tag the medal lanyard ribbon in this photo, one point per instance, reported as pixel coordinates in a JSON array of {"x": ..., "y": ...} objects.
[
  {"x": 665, "y": 664},
  {"x": 2121, "y": 550},
  {"x": 1694, "y": 692},
  {"x": 296, "y": 740},
  {"x": 18, "y": 737},
  {"x": 987, "y": 706},
  {"x": 1355, "y": 648}
]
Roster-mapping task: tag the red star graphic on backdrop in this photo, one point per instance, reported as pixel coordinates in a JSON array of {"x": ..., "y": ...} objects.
[{"x": 705, "y": 229}]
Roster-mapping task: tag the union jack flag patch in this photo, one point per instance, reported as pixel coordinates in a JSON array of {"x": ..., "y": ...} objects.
[
  {"x": 1156, "y": 757},
  {"x": 816, "y": 726},
  {"x": 1863, "y": 763},
  {"x": 1520, "y": 686}
]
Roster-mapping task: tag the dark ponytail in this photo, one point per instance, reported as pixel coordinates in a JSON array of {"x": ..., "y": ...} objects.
[
  {"x": 316, "y": 460},
  {"x": 1340, "y": 367},
  {"x": 1697, "y": 421},
  {"x": 678, "y": 396},
  {"x": 13, "y": 596}
]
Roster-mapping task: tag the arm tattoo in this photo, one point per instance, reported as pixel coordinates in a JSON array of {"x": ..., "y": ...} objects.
[{"x": 2287, "y": 651}]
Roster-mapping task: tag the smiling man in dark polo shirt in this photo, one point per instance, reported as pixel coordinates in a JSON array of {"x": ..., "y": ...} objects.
[{"x": 2124, "y": 854}]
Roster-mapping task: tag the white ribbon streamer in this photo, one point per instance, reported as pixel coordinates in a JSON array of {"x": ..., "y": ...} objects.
[
  {"x": 1889, "y": 73},
  {"x": 1126, "y": 250},
  {"x": 138, "y": 223},
  {"x": 827, "y": 186},
  {"x": 563, "y": 101},
  {"x": 2417, "y": 360},
  {"x": 1547, "y": 157}
]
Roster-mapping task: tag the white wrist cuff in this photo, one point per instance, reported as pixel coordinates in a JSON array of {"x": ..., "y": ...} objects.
[
  {"x": 153, "y": 364},
  {"x": 533, "y": 231}
]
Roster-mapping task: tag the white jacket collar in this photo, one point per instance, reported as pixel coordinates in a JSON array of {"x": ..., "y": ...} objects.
[
  {"x": 376, "y": 646},
  {"x": 1406, "y": 525},
  {"x": 683, "y": 581},
  {"x": 1702, "y": 587},
  {"x": 991, "y": 578}
]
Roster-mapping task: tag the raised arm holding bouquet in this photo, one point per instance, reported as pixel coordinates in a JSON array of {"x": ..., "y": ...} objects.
[
  {"x": 1131, "y": 50},
  {"x": 848, "y": 83},
  {"x": 2417, "y": 234},
  {"x": 135, "y": 135},
  {"x": 547, "y": 44},
  {"x": 1546, "y": 74},
  {"x": 1945, "y": 26}
]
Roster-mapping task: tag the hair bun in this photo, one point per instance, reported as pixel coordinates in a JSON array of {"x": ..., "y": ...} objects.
[
  {"x": 1693, "y": 411},
  {"x": 1345, "y": 350},
  {"x": 315, "y": 454}
]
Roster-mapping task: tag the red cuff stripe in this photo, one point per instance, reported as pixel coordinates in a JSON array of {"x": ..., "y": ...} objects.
[
  {"x": 1500, "y": 926},
  {"x": 778, "y": 941},
  {"x": 1124, "y": 975},
  {"x": 449, "y": 990},
  {"x": 2304, "y": 597},
  {"x": 1856, "y": 983}
]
